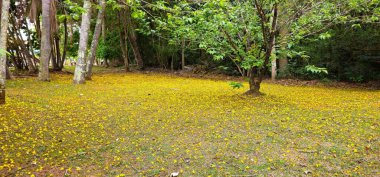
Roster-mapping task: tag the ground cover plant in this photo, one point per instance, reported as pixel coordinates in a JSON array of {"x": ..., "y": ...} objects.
[{"x": 154, "y": 124}]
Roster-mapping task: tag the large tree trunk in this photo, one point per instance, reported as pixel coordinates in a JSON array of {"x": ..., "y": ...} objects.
[
  {"x": 133, "y": 40},
  {"x": 3, "y": 47},
  {"x": 45, "y": 42},
  {"x": 80, "y": 69},
  {"x": 255, "y": 79},
  {"x": 95, "y": 40}
]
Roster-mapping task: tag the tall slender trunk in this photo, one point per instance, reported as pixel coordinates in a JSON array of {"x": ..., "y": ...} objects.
[
  {"x": 283, "y": 61},
  {"x": 64, "y": 43},
  {"x": 95, "y": 40},
  {"x": 3, "y": 47},
  {"x": 31, "y": 65},
  {"x": 172, "y": 63},
  {"x": 274, "y": 63},
  {"x": 133, "y": 40},
  {"x": 45, "y": 42},
  {"x": 183, "y": 54},
  {"x": 80, "y": 69},
  {"x": 104, "y": 37},
  {"x": 8, "y": 74},
  {"x": 124, "y": 38},
  {"x": 53, "y": 55},
  {"x": 273, "y": 52},
  {"x": 58, "y": 58}
]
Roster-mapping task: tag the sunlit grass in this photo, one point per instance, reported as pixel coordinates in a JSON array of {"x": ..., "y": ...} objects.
[{"x": 153, "y": 125}]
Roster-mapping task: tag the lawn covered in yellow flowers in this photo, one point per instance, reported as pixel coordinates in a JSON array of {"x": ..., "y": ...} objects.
[{"x": 155, "y": 124}]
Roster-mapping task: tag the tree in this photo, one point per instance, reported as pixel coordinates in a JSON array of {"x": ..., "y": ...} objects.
[
  {"x": 133, "y": 39},
  {"x": 3, "y": 46},
  {"x": 95, "y": 39},
  {"x": 245, "y": 31},
  {"x": 45, "y": 42},
  {"x": 80, "y": 69}
]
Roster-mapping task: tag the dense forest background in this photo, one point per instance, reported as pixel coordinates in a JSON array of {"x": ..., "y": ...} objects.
[{"x": 327, "y": 40}]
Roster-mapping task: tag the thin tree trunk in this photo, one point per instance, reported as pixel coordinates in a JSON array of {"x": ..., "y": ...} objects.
[
  {"x": 133, "y": 40},
  {"x": 183, "y": 54},
  {"x": 57, "y": 54},
  {"x": 172, "y": 63},
  {"x": 31, "y": 65},
  {"x": 45, "y": 42},
  {"x": 3, "y": 47},
  {"x": 104, "y": 38},
  {"x": 123, "y": 39},
  {"x": 53, "y": 55},
  {"x": 64, "y": 43},
  {"x": 19, "y": 41},
  {"x": 95, "y": 40},
  {"x": 274, "y": 64},
  {"x": 273, "y": 53},
  {"x": 80, "y": 69},
  {"x": 8, "y": 74}
]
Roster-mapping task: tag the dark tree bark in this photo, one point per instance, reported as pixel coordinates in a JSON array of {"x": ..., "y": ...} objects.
[
  {"x": 64, "y": 43},
  {"x": 268, "y": 31},
  {"x": 124, "y": 38},
  {"x": 8, "y": 74},
  {"x": 133, "y": 40},
  {"x": 104, "y": 38},
  {"x": 183, "y": 64}
]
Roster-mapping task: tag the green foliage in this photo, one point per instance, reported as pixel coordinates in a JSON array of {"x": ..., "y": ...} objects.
[
  {"x": 236, "y": 85},
  {"x": 3, "y": 52},
  {"x": 110, "y": 48},
  {"x": 316, "y": 70}
]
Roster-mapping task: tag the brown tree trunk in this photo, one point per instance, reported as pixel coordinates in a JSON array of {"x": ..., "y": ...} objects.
[
  {"x": 57, "y": 54},
  {"x": 80, "y": 68},
  {"x": 104, "y": 38},
  {"x": 133, "y": 40},
  {"x": 283, "y": 61},
  {"x": 183, "y": 54},
  {"x": 53, "y": 55},
  {"x": 269, "y": 32},
  {"x": 3, "y": 47},
  {"x": 124, "y": 38},
  {"x": 31, "y": 64},
  {"x": 64, "y": 44},
  {"x": 45, "y": 42},
  {"x": 255, "y": 79},
  {"x": 274, "y": 65},
  {"x": 95, "y": 40},
  {"x": 8, "y": 74},
  {"x": 15, "y": 35}
]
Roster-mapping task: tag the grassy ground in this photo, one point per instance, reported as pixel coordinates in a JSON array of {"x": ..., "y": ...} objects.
[{"x": 155, "y": 124}]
